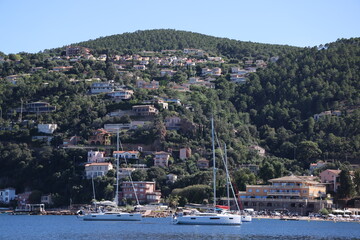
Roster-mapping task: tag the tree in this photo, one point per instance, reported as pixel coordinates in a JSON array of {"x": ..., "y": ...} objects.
[
  {"x": 357, "y": 181},
  {"x": 346, "y": 188},
  {"x": 307, "y": 152}
]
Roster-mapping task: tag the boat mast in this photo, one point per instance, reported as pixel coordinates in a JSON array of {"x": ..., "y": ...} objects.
[
  {"x": 214, "y": 167},
  {"x": 117, "y": 170},
  {"x": 227, "y": 178}
]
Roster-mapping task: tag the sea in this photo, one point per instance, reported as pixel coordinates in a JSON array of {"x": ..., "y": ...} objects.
[{"x": 28, "y": 227}]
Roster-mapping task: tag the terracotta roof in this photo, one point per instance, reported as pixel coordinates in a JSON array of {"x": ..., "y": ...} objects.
[
  {"x": 293, "y": 178},
  {"x": 97, "y": 164},
  {"x": 125, "y": 152}
]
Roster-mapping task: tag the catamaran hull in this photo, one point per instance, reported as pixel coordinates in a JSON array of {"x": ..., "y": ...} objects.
[
  {"x": 207, "y": 220},
  {"x": 112, "y": 217}
]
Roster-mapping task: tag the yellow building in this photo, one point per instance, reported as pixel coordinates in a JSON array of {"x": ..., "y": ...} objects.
[{"x": 297, "y": 194}]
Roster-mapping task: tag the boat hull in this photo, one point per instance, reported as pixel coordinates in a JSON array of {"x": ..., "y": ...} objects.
[
  {"x": 112, "y": 217},
  {"x": 207, "y": 220}
]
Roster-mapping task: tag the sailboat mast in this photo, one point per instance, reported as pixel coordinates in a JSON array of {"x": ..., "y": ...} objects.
[
  {"x": 227, "y": 178},
  {"x": 214, "y": 167},
  {"x": 117, "y": 170}
]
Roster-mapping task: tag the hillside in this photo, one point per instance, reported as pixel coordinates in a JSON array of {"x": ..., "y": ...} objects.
[
  {"x": 300, "y": 105},
  {"x": 165, "y": 39}
]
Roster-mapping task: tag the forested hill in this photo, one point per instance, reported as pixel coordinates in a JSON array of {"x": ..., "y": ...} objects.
[
  {"x": 165, "y": 39},
  {"x": 301, "y": 105},
  {"x": 283, "y": 99}
]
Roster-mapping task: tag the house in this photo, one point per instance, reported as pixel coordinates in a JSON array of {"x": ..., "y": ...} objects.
[
  {"x": 76, "y": 51},
  {"x": 93, "y": 170},
  {"x": 326, "y": 113},
  {"x": 62, "y": 68},
  {"x": 259, "y": 150},
  {"x": 213, "y": 72},
  {"x": 172, "y": 100},
  {"x": 202, "y": 163},
  {"x": 102, "y": 87},
  {"x": 122, "y": 94},
  {"x": 237, "y": 78},
  {"x": 297, "y": 194},
  {"x": 317, "y": 165},
  {"x": 185, "y": 153},
  {"x": 147, "y": 85},
  {"x": 125, "y": 172},
  {"x": 36, "y": 107},
  {"x": 95, "y": 156},
  {"x": 330, "y": 177},
  {"x": 145, "y": 192},
  {"x": 145, "y": 110},
  {"x": 168, "y": 72},
  {"x": 100, "y": 137},
  {"x": 6, "y": 195},
  {"x": 254, "y": 168},
  {"x": 47, "y": 128},
  {"x": 192, "y": 51},
  {"x": 172, "y": 123},
  {"x": 126, "y": 154},
  {"x": 161, "y": 159},
  {"x": 140, "y": 67},
  {"x": 114, "y": 127},
  {"x": 171, "y": 178}
]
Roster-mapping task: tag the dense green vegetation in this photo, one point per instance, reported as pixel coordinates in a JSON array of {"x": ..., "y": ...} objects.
[{"x": 273, "y": 109}]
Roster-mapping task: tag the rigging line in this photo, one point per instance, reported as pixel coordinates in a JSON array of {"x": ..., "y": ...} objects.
[
  {"x": 227, "y": 172},
  {"x": 129, "y": 173}
]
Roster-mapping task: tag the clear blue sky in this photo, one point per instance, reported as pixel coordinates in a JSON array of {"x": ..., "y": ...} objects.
[{"x": 35, "y": 25}]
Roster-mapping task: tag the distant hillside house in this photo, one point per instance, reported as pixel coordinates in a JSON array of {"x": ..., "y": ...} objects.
[
  {"x": 126, "y": 154},
  {"x": 36, "y": 107},
  {"x": 93, "y": 170},
  {"x": 161, "y": 159},
  {"x": 123, "y": 94},
  {"x": 172, "y": 123},
  {"x": 62, "y": 68},
  {"x": 202, "y": 163},
  {"x": 125, "y": 172},
  {"x": 102, "y": 87},
  {"x": 147, "y": 85},
  {"x": 145, "y": 110},
  {"x": 95, "y": 156},
  {"x": 47, "y": 128},
  {"x": 168, "y": 72},
  {"x": 100, "y": 137},
  {"x": 76, "y": 51},
  {"x": 326, "y": 113},
  {"x": 185, "y": 153}
]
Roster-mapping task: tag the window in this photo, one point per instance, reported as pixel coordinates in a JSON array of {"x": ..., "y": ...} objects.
[
  {"x": 265, "y": 190},
  {"x": 250, "y": 190}
]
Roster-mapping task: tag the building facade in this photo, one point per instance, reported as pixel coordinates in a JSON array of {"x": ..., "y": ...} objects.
[
  {"x": 145, "y": 192},
  {"x": 297, "y": 194}
]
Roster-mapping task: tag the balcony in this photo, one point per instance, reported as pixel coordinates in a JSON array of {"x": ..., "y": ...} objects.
[{"x": 290, "y": 194}]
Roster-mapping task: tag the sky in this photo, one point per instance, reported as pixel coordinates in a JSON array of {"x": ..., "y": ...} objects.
[{"x": 35, "y": 25}]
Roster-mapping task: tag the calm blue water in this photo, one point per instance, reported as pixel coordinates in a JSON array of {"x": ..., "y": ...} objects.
[{"x": 69, "y": 227}]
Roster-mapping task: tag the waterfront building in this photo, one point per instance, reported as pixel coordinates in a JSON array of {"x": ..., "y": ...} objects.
[
  {"x": 297, "y": 194},
  {"x": 6, "y": 195},
  {"x": 145, "y": 192}
]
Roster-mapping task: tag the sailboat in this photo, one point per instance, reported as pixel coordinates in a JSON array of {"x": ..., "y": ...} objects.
[
  {"x": 209, "y": 218},
  {"x": 114, "y": 214}
]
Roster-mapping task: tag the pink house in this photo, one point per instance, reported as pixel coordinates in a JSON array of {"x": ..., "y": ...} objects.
[
  {"x": 161, "y": 159},
  {"x": 331, "y": 177},
  {"x": 145, "y": 192},
  {"x": 95, "y": 156}
]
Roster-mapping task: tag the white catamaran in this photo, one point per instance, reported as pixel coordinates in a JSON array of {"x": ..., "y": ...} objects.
[
  {"x": 209, "y": 218},
  {"x": 115, "y": 214}
]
